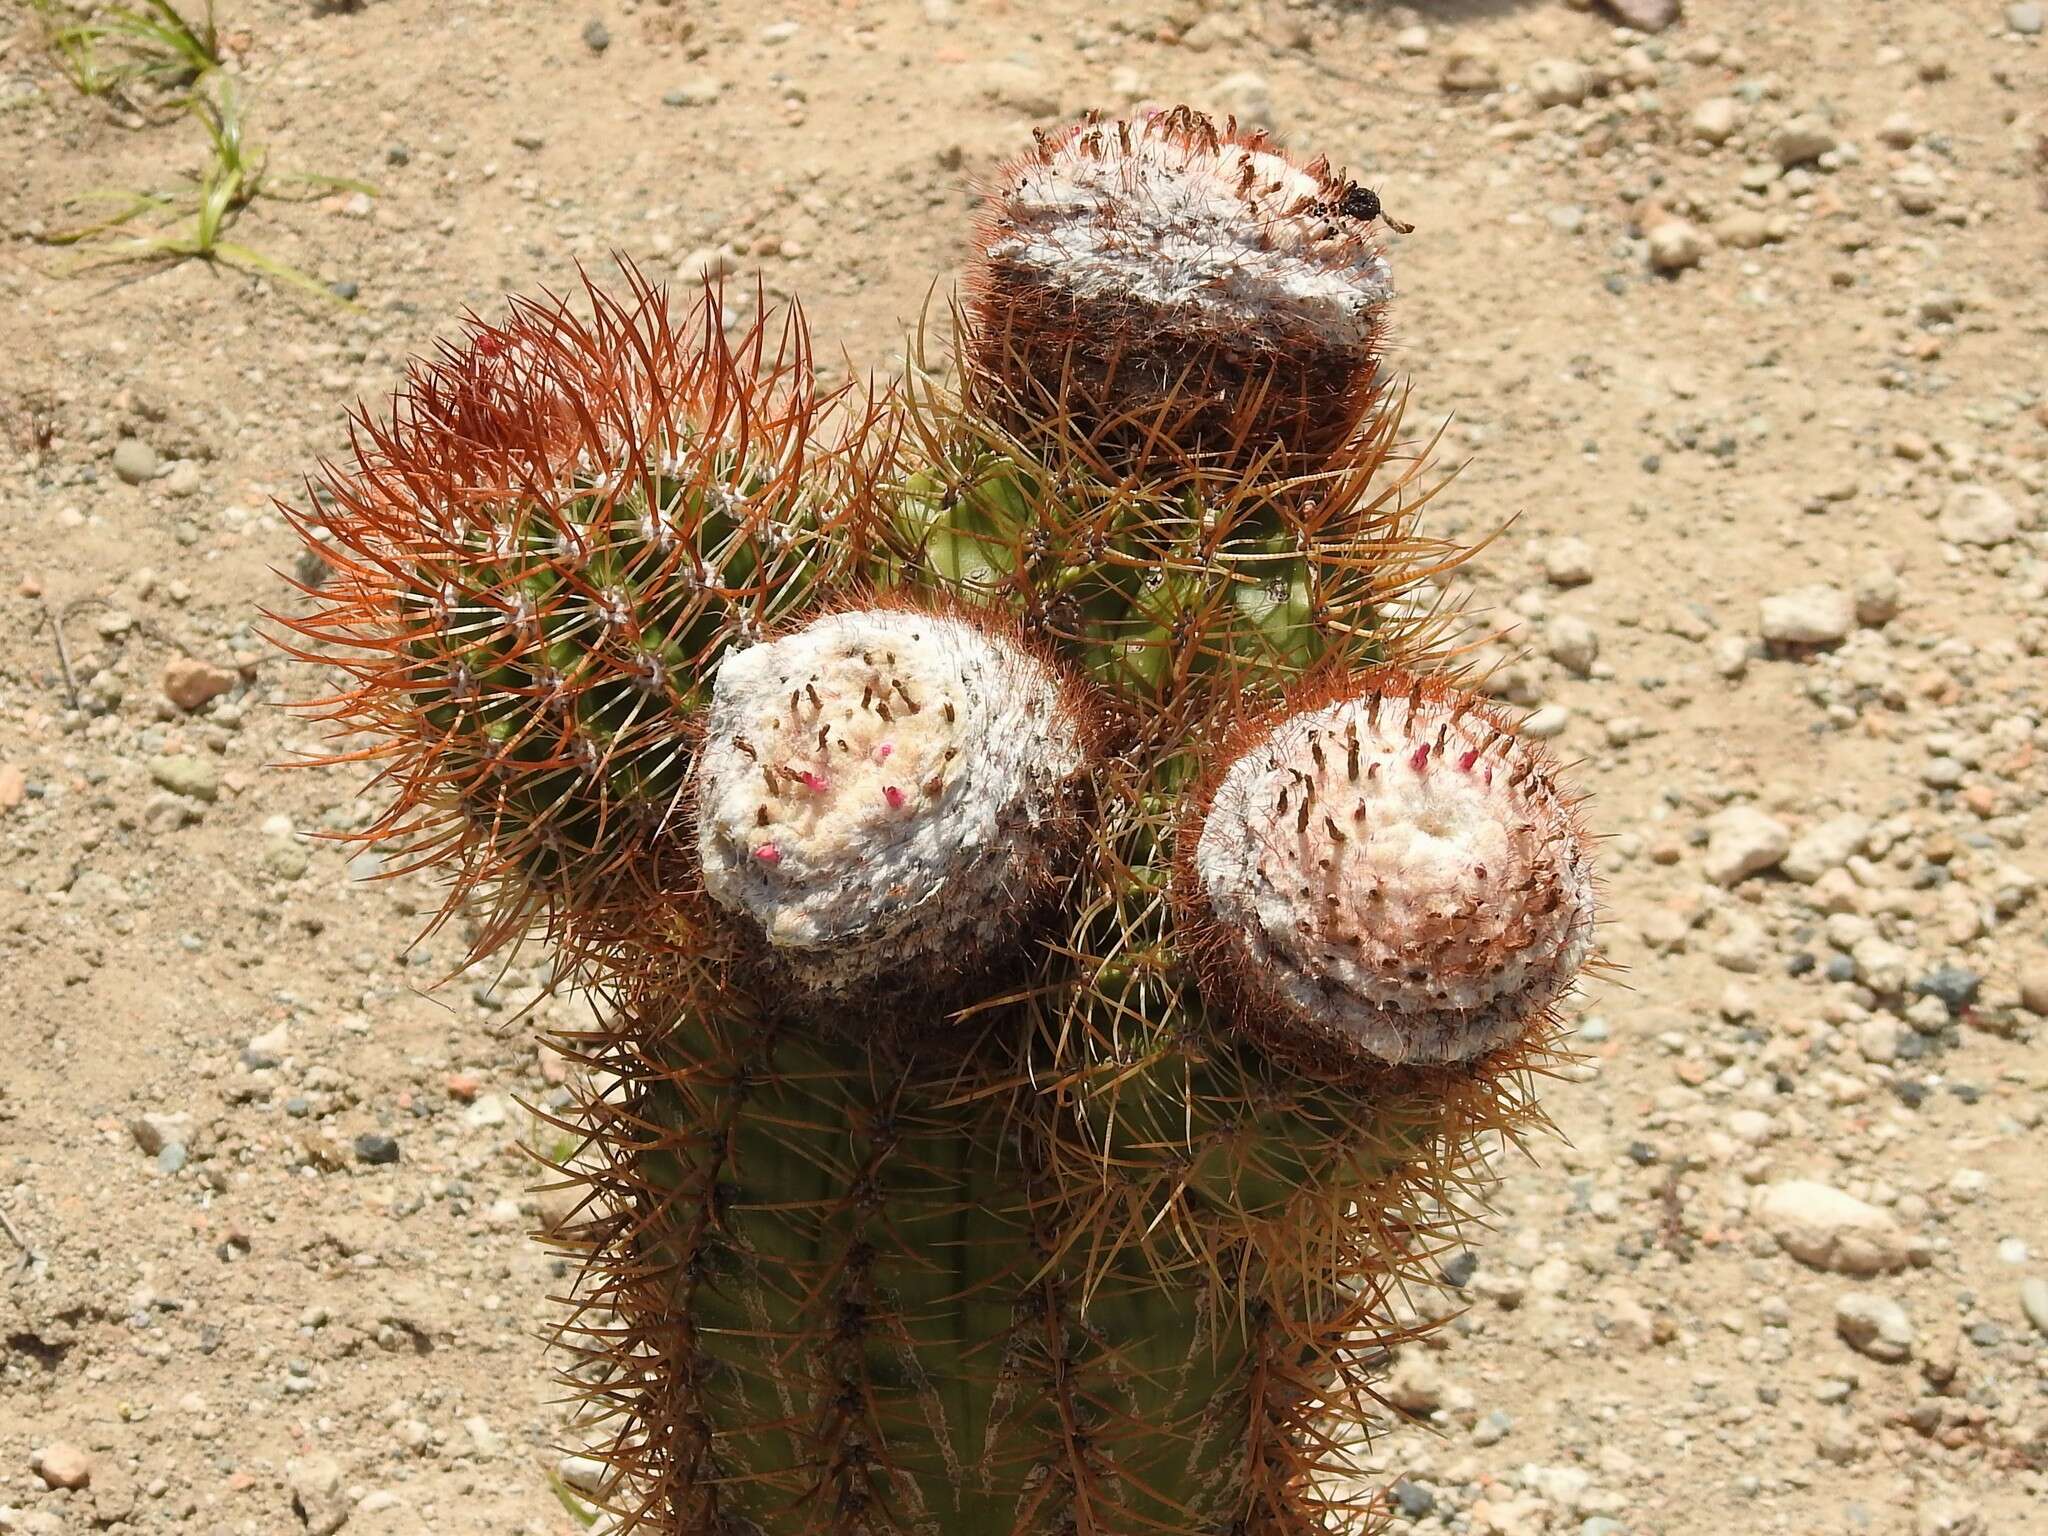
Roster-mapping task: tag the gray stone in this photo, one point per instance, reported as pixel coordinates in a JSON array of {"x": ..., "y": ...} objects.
[
  {"x": 1875, "y": 1326},
  {"x": 1643, "y": 15},
  {"x": 1812, "y": 615},
  {"x": 1493, "y": 1429},
  {"x": 1826, "y": 1228},
  {"x": 196, "y": 778},
  {"x": 2024, "y": 17},
  {"x": 1803, "y": 140},
  {"x": 1743, "y": 841},
  {"x": 596, "y": 36},
  {"x": 134, "y": 461},
  {"x": 1955, "y": 985},
  {"x": 1976, "y": 514},
  {"x": 376, "y": 1148}
]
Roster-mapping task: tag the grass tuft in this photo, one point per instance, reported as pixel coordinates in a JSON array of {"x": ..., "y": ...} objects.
[
  {"x": 113, "y": 51},
  {"x": 194, "y": 219}
]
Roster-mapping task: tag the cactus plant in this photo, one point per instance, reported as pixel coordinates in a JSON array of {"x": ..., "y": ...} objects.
[{"x": 1070, "y": 945}]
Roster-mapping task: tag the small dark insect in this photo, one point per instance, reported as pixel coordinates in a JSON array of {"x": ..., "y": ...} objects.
[{"x": 1363, "y": 204}]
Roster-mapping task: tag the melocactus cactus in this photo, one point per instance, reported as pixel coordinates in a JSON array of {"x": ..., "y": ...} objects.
[
  {"x": 888, "y": 791},
  {"x": 1166, "y": 282},
  {"x": 1030, "y": 1084},
  {"x": 1394, "y": 874}
]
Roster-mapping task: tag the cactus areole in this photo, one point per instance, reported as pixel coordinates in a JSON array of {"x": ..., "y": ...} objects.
[{"x": 1068, "y": 948}]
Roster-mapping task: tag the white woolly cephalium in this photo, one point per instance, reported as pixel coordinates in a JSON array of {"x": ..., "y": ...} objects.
[
  {"x": 884, "y": 794},
  {"x": 1164, "y": 275},
  {"x": 1394, "y": 875}
]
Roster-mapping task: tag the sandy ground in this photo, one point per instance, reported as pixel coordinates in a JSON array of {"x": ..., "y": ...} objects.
[{"x": 1825, "y": 850}]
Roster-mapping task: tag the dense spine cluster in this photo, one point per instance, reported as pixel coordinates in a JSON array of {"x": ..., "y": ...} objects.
[
  {"x": 1070, "y": 949},
  {"x": 532, "y": 567}
]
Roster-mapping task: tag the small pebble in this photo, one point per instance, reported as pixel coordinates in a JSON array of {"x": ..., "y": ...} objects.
[
  {"x": 134, "y": 461},
  {"x": 61, "y": 1464},
  {"x": 1675, "y": 246}
]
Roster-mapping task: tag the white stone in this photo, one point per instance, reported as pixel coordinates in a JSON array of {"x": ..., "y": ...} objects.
[
  {"x": 1976, "y": 514},
  {"x": 1875, "y": 1326},
  {"x": 1826, "y": 1228},
  {"x": 1558, "y": 82},
  {"x": 315, "y": 1484},
  {"x": 1814, "y": 615},
  {"x": 1715, "y": 120},
  {"x": 1881, "y": 965},
  {"x": 1803, "y": 140},
  {"x": 1572, "y": 643},
  {"x": 1568, "y": 563},
  {"x": 1828, "y": 846},
  {"x": 1743, "y": 841},
  {"x": 1675, "y": 245}
]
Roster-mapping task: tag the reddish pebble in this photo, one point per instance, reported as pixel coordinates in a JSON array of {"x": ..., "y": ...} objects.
[{"x": 463, "y": 1086}]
